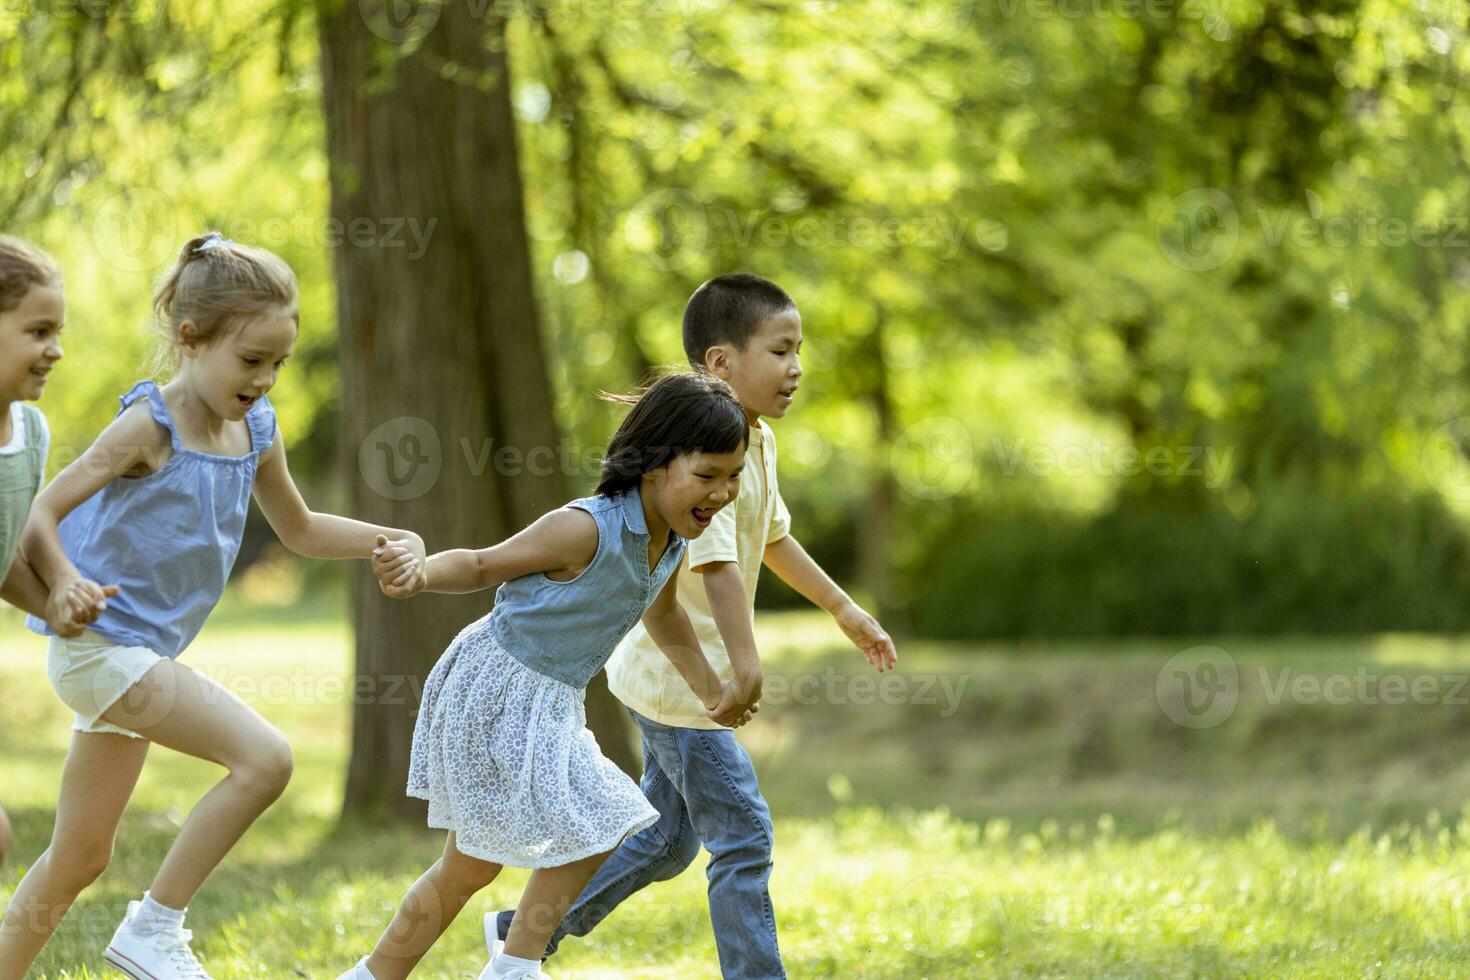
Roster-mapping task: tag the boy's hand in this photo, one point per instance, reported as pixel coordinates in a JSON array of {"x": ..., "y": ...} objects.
[
  {"x": 869, "y": 637},
  {"x": 74, "y": 605},
  {"x": 751, "y": 685},
  {"x": 400, "y": 567},
  {"x": 731, "y": 710}
]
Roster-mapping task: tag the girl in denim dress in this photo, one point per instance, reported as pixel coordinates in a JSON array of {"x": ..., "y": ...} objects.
[{"x": 501, "y": 751}]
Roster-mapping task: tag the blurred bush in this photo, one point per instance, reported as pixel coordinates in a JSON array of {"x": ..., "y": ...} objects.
[{"x": 1301, "y": 562}]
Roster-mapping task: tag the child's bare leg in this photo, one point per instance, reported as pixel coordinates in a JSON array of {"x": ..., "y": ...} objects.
[
  {"x": 96, "y": 783},
  {"x": 183, "y": 710},
  {"x": 548, "y": 895},
  {"x": 431, "y": 904}
]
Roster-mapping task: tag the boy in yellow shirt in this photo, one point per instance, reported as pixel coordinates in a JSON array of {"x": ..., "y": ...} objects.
[{"x": 747, "y": 331}]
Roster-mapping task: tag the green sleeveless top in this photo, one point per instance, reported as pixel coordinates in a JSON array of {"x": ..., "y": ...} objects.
[{"x": 22, "y": 466}]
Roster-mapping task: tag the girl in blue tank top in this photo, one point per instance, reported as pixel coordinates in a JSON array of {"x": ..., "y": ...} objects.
[
  {"x": 157, "y": 505},
  {"x": 501, "y": 750}
]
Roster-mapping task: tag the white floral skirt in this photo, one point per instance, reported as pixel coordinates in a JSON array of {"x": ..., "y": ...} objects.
[{"x": 504, "y": 757}]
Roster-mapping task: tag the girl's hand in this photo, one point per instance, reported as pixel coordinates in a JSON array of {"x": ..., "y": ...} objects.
[
  {"x": 75, "y": 604},
  {"x": 401, "y": 572},
  {"x": 731, "y": 711}
]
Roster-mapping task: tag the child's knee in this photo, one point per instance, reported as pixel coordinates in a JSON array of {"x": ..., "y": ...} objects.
[
  {"x": 467, "y": 873},
  {"x": 267, "y": 770},
  {"x": 683, "y": 849},
  {"x": 76, "y": 866},
  {"x": 748, "y": 851}
]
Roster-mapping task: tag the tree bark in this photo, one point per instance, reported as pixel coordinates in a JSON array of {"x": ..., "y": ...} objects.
[
  {"x": 442, "y": 360},
  {"x": 875, "y": 537}
]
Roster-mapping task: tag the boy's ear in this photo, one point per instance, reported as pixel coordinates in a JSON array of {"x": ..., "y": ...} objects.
[{"x": 717, "y": 362}]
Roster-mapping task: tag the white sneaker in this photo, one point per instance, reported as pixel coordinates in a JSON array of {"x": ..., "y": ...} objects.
[
  {"x": 489, "y": 974},
  {"x": 493, "y": 942},
  {"x": 162, "y": 956},
  {"x": 496, "y": 946},
  {"x": 354, "y": 974}
]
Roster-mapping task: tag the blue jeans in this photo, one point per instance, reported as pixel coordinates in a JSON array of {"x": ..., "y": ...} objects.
[{"x": 704, "y": 788}]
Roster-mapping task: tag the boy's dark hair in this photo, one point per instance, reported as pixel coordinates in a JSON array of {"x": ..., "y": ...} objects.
[
  {"x": 683, "y": 413},
  {"x": 728, "y": 309}
]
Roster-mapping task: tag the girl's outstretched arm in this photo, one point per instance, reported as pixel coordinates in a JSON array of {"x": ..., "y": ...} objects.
[
  {"x": 308, "y": 533},
  {"x": 561, "y": 544}
]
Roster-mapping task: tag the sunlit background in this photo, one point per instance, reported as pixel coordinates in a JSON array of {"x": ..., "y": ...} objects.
[{"x": 1135, "y": 405}]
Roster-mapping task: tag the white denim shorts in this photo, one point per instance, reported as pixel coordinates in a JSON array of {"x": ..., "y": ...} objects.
[{"x": 91, "y": 673}]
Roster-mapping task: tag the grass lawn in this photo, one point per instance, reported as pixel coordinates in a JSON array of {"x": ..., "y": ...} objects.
[{"x": 1006, "y": 810}]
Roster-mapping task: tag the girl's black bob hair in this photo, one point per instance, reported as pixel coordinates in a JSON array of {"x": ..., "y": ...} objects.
[{"x": 689, "y": 412}]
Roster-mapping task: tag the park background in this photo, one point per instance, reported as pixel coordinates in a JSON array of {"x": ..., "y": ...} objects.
[{"x": 1134, "y": 403}]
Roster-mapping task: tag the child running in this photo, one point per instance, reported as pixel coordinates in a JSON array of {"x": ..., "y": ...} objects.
[
  {"x": 32, "y": 314},
  {"x": 158, "y": 505},
  {"x": 745, "y": 330},
  {"x": 500, "y": 749}
]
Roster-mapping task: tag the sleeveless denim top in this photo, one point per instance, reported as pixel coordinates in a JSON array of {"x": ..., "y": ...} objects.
[
  {"x": 568, "y": 630},
  {"x": 167, "y": 540}
]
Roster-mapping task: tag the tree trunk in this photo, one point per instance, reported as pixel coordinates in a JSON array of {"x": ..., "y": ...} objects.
[
  {"x": 875, "y": 538},
  {"x": 447, "y": 423}
]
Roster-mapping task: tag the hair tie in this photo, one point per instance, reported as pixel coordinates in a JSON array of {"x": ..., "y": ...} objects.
[{"x": 212, "y": 241}]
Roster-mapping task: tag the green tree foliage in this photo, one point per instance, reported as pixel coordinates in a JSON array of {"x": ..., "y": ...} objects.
[{"x": 1139, "y": 306}]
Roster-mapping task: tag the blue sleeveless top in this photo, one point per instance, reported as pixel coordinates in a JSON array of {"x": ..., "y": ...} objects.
[
  {"x": 568, "y": 630},
  {"x": 167, "y": 540}
]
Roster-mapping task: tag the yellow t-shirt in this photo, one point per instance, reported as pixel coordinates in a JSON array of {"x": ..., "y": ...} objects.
[{"x": 638, "y": 674}]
